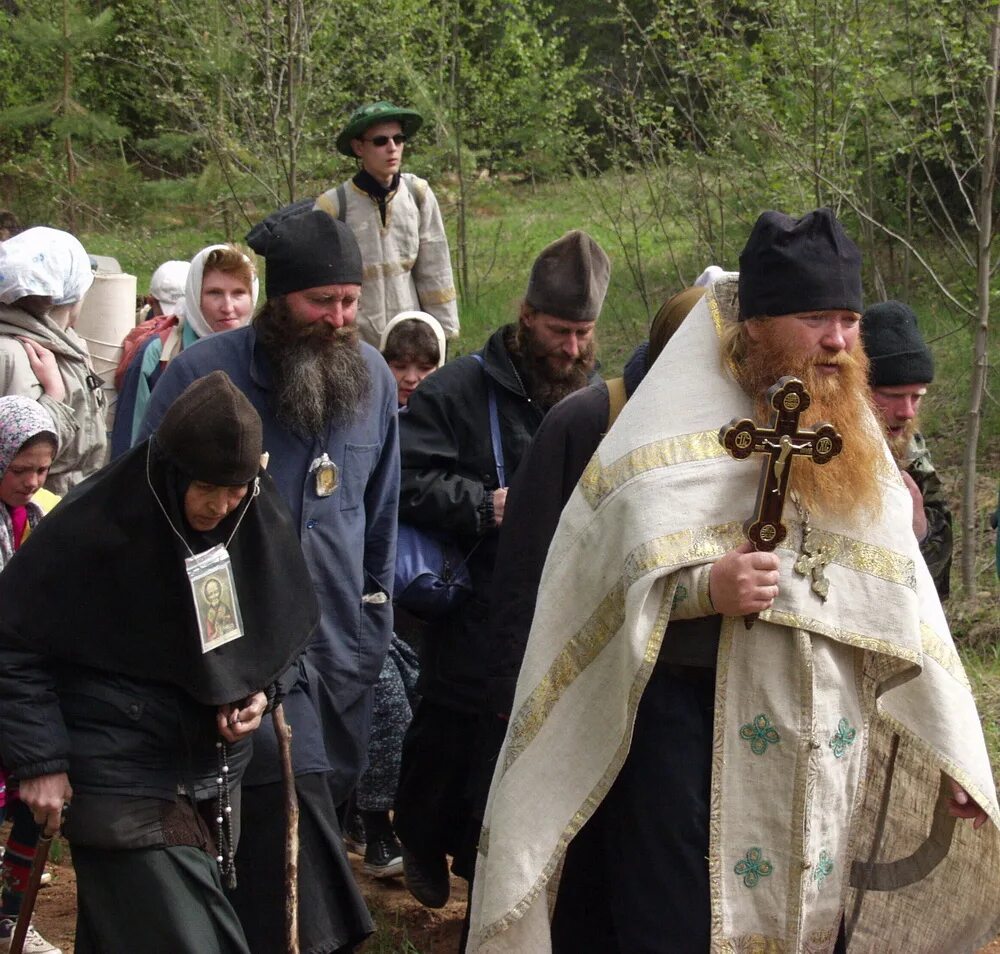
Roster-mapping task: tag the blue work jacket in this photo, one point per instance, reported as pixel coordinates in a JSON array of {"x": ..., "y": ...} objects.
[{"x": 349, "y": 541}]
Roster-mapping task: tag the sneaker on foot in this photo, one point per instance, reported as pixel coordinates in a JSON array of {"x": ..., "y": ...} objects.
[
  {"x": 34, "y": 943},
  {"x": 354, "y": 833},
  {"x": 427, "y": 879},
  {"x": 383, "y": 857}
]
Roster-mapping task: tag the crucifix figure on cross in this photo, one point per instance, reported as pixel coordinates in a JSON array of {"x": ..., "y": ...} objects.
[{"x": 781, "y": 442}]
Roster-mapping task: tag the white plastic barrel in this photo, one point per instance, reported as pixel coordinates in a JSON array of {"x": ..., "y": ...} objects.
[{"x": 108, "y": 315}]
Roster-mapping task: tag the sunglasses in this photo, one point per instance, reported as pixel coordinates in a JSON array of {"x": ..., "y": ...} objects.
[{"x": 379, "y": 141}]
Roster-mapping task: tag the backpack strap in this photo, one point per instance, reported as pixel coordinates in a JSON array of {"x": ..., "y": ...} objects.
[
  {"x": 494, "y": 424},
  {"x": 417, "y": 187},
  {"x": 326, "y": 203},
  {"x": 616, "y": 399}
]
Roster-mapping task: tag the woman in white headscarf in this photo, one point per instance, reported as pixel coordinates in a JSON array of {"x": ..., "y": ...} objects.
[
  {"x": 44, "y": 274},
  {"x": 219, "y": 294}
]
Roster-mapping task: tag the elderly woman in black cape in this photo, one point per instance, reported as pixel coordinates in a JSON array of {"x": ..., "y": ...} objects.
[{"x": 113, "y": 697}]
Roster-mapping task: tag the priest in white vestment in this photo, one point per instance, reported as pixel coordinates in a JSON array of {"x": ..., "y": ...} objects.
[{"x": 674, "y": 781}]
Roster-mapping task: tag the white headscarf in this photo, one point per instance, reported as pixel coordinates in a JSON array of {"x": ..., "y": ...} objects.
[
  {"x": 190, "y": 305},
  {"x": 167, "y": 284},
  {"x": 44, "y": 261},
  {"x": 708, "y": 276},
  {"x": 416, "y": 316}
]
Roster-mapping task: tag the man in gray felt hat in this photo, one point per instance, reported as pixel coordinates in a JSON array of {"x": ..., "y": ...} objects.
[
  {"x": 901, "y": 368},
  {"x": 328, "y": 405},
  {"x": 450, "y": 483}
]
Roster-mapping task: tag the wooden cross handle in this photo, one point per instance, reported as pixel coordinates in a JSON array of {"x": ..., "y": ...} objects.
[{"x": 779, "y": 443}]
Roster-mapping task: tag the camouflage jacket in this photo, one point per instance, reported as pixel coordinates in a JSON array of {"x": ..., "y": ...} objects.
[{"x": 936, "y": 546}]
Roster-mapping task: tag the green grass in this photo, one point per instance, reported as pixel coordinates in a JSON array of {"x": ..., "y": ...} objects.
[{"x": 983, "y": 668}]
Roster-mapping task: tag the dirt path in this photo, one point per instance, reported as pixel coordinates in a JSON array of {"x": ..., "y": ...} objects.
[
  {"x": 404, "y": 926},
  {"x": 401, "y": 921}
]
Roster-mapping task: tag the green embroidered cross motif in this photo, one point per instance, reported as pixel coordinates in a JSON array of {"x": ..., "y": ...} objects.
[
  {"x": 759, "y": 733},
  {"x": 754, "y": 867},
  {"x": 680, "y": 595},
  {"x": 823, "y": 868},
  {"x": 842, "y": 739}
]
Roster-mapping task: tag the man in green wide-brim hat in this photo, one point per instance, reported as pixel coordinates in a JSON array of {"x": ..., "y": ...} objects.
[{"x": 396, "y": 220}]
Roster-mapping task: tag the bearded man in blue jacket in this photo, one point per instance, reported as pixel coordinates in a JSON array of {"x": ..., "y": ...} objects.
[{"x": 328, "y": 404}]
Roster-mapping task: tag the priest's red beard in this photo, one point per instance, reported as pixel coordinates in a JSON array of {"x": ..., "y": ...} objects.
[{"x": 848, "y": 485}]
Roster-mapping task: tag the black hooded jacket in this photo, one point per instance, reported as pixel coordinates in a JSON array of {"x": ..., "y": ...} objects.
[
  {"x": 448, "y": 473},
  {"x": 101, "y": 668}
]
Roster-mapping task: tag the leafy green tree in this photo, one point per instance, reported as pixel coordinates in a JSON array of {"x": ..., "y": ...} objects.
[{"x": 66, "y": 38}]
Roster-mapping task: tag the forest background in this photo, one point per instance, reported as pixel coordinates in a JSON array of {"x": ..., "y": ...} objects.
[{"x": 663, "y": 127}]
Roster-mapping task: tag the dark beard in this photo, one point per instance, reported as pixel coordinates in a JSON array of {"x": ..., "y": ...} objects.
[
  {"x": 319, "y": 374},
  {"x": 546, "y": 385}
]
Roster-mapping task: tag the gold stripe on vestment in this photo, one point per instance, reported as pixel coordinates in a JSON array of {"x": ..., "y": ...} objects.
[
  {"x": 598, "y": 481},
  {"x": 430, "y": 296},
  {"x": 859, "y": 640},
  {"x": 859, "y": 556},
  {"x": 552, "y": 866},
  {"x": 667, "y": 552},
  {"x": 715, "y": 860},
  {"x": 576, "y": 655},
  {"x": 944, "y": 654},
  {"x": 804, "y": 783},
  {"x": 818, "y": 942}
]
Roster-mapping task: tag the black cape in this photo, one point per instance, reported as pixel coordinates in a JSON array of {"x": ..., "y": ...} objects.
[{"x": 101, "y": 583}]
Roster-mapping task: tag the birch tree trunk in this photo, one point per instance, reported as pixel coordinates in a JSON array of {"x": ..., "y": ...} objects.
[{"x": 987, "y": 188}]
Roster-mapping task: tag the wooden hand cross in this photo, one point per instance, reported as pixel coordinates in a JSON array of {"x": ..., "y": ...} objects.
[{"x": 781, "y": 442}]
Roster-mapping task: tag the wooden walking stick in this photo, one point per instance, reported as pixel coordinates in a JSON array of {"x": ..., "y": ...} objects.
[
  {"x": 31, "y": 892},
  {"x": 283, "y": 731}
]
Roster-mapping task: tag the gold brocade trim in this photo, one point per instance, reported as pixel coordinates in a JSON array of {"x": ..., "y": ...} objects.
[
  {"x": 718, "y": 319},
  {"x": 578, "y": 653},
  {"x": 667, "y": 552},
  {"x": 552, "y": 866},
  {"x": 804, "y": 784},
  {"x": 715, "y": 864},
  {"x": 752, "y": 944},
  {"x": 860, "y": 556},
  {"x": 869, "y": 643},
  {"x": 430, "y": 296},
  {"x": 388, "y": 269},
  {"x": 704, "y": 597},
  {"x": 819, "y": 942},
  {"x": 715, "y": 310},
  {"x": 944, "y": 654},
  {"x": 598, "y": 481}
]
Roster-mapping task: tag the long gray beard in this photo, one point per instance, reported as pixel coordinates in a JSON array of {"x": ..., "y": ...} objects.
[{"x": 317, "y": 381}]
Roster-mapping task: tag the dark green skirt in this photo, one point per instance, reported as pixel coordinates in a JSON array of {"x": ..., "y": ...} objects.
[{"x": 154, "y": 900}]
